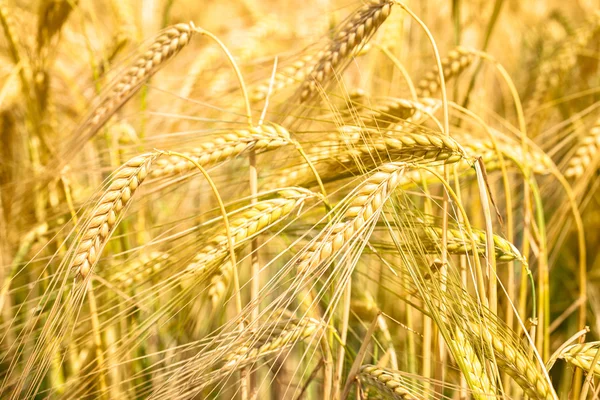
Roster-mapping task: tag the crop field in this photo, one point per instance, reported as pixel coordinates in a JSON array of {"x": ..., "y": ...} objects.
[{"x": 320, "y": 199}]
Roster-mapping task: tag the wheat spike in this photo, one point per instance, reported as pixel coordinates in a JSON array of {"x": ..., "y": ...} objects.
[
  {"x": 350, "y": 155},
  {"x": 141, "y": 268},
  {"x": 363, "y": 204},
  {"x": 515, "y": 363},
  {"x": 586, "y": 153},
  {"x": 582, "y": 356},
  {"x": 271, "y": 340},
  {"x": 363, "y": 23},
  {"x": 456, "y": 62},
  {"x": 164, "y": 47},
  {"x": 244, "y": 224},
  {"x": 107, "y": 212},
  {"x": 483, "y": 388},
  {"x": 261, "y": 138},
  {"x": 386, "y": 381}
]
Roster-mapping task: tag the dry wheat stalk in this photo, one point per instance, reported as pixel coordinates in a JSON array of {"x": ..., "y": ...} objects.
[
  {"x": 386, "y": 381},
  {"x": 231, "y": 144},
  {"x": 141, "y": 268},
  {"x": 163, "y": 48},
  {"x": 363, "y": 204},
  {"x": 363, "y": 23},
  {"x": 456, "y": 62},
  {"x": 587, "y": 151},
  {"x": 107, "y": 212},
  {"x": 582, "y": 356},
  {"x": 271, "y": 340},
  {"x": 244, "y": 224},
  {"x": 514, "y": 362},
  {"x": 479, "y": 381}
]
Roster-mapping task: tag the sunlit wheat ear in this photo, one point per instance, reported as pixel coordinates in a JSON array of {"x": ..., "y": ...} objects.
[
  {"x": 539, "y": 162},
  {"x": 513, "y": 361},
  {"x": 587, "y": 150},
  {"x": 582, "y": 356},
  {"x": 229, "y": 145},
  {"x": 565, "y": 58},
  {"x": 456, "y": 62},
  {"x": 363, "y": 204},
  {"x": 163, "y": 48},
  {"x": 271, "y": 340},
  {"x": 360, "y": 27},
  {"x": 51, "y": 17},
  {"x": 292, "y": 74},
  {"x": 244, "y": 224},
  {"x": 141, "y": 268},
  {"x": 458, "y": 242},
  {"x": 108, "y": 211},
  {"x": 366, "y": 148},
  {"x": 386, "y": 382},
  {"x": 482, "y": 386}
]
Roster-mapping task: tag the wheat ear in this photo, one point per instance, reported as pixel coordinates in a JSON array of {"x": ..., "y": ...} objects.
[
  {"x": 141, "y": 268},
  {"x": 515, "y": 363},
  {"x": 363, "y": 204},
  {"x": 585, "y": 153},
  {"x": 386, "y": 381},
  {"x": 582, "y": 356},
  {"x": 164, "y": 47},
  {"x": 456, "y": 62},
  {"x": 478, "y": 379},
  {"x": 244, "y": 225},
  {"x": 363, "y": 23},
  {"x": 271, "y": 340},
  {"x": 107, "y": 212},
  {"x": 261, "y": 138}
]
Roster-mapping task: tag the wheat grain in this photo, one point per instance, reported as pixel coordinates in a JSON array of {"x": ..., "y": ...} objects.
[
  {"x": 456, "y": 62},
  {"x": 231, "y": 144},
  {"x": 388, "y": 382},
  {"x": 363, "y": 23},
  {"x": 107, "y": 212}
]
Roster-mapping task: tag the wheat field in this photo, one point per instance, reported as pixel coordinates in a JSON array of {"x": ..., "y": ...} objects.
[{"x": 322, "y": 199}]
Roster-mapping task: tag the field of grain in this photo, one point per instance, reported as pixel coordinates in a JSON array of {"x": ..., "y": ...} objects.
[{"x": 320, "y": 199}]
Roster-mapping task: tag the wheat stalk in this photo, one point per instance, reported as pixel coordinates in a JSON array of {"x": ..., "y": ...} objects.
[
  {"x": 363, "y": 23},
  {"x": 386, "y": 381},
  {"x": 105, "y": 215},
  {"x": 231, "y": 144},
  {"x": 456, "y": 62}
]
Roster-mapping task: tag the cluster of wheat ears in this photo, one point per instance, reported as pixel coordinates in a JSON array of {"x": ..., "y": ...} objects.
[{"x": 299, "y": 200}]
